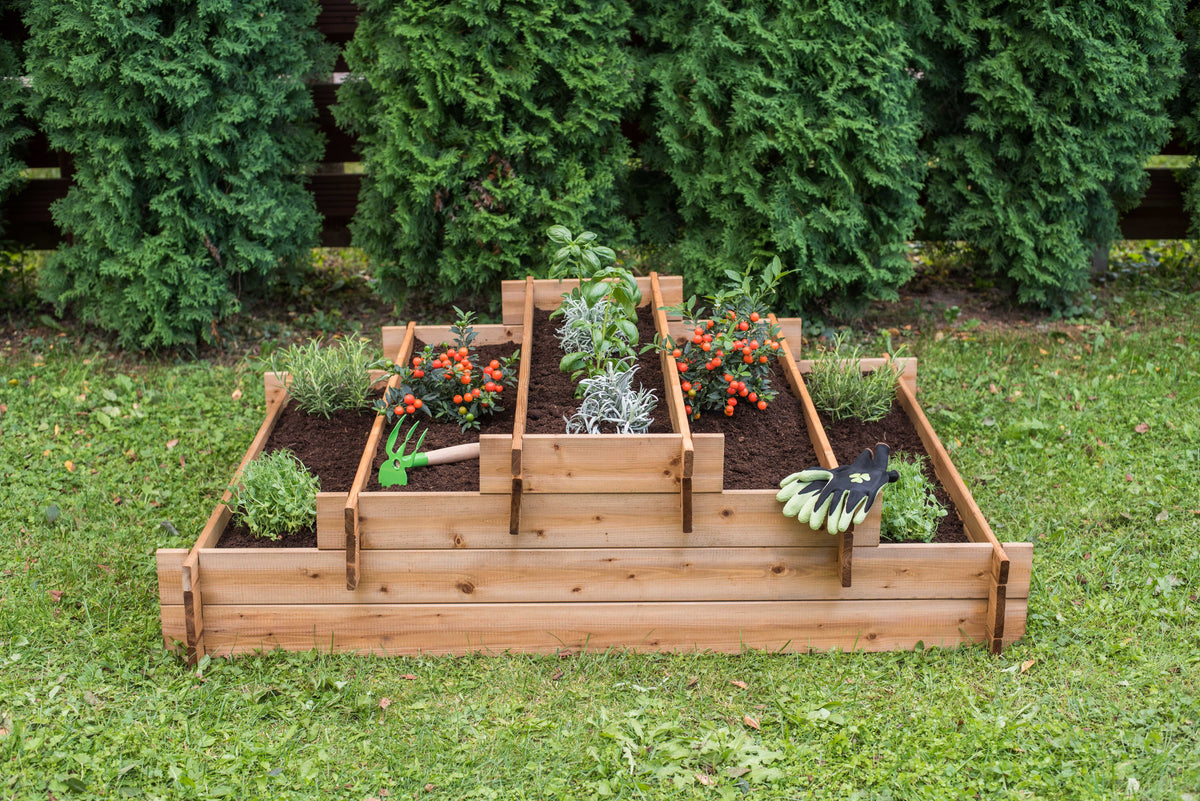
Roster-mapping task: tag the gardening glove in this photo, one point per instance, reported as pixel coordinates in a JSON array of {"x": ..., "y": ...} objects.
[{"x": 835, "y": 499}]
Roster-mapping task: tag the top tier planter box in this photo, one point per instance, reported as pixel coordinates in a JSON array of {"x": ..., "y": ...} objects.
[{"x": 577, "y": 542}]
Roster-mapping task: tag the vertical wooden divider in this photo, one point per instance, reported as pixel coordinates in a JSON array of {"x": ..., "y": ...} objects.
[
  {"x": 687, "y": 455},
  {"x": 820, "y": 443},
  {"x": 975, "y": 524},
  {"x": 363, "y": 474},
  {"x": 522, "y": 410}
]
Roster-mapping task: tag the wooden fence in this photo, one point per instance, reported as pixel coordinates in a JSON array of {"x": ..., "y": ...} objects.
[{"x": 1161, "y": 214}]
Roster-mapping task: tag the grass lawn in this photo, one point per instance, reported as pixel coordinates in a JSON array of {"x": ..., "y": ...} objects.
[{"x": 1082, "y": 436}]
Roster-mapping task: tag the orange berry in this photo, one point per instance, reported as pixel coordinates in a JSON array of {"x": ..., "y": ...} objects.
[
  {"x": 418, "y": 403},
  {"x": 410, "y": 409},
  {"x": 458, "y": 398},
  {"x": 762, "y": 404},
  {"x": 754, "y": 317}
]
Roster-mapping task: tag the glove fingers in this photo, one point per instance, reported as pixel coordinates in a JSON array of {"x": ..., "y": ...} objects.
[
  {"x": 860, "y": 511},
  {"x": 817, "y": 519},
  {"x": 810, "y": 475}
]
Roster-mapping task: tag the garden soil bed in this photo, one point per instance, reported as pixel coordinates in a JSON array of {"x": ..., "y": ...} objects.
[
  {"x": 459, "y": 476},
  {"x": 762, "y": 447},
  {"x": 552, "y": 393},
  {"x": 330, "y": 448},
  {"x": 849, "y": 438}
]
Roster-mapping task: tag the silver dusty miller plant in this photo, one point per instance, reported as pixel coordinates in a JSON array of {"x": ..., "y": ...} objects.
[
  {"x": 609, "y": 399},
  {"x": 581, "y": 323}
]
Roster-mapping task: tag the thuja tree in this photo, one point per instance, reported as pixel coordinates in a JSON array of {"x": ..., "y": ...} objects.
[
  {"x": 190, "y": 126},
  {"x": 1187, "y": 110},
  {"x": 789, "y": 127},
  {"x": 483, "y": 122},
  {"x": 12, "y": 130},
  {"x": 1041, "y": 120}
]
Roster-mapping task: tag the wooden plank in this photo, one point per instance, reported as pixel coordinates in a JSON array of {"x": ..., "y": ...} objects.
[
  {"x": 1014, "y": 619},
  {"x": 845, "y": 558},
  {"x": 173, "y": 634},
  {"x": 169, "y": 566},
  {"x": 521, "y": 412},
  {"x": 816, "y": 432},
  {"x": 791, "y": 331},
  {"x": 548, "y": 292},
  {"x": 977, "y": 527},
  {"x": 350, "y": 516},
  {"x": 487, "y": 334},
  {"x": 793, "y": 626},
  {"x": 631, "y": 520},
  {"x": 995, "y": 620},
  {"x": 598, "y": 463},
  {"x": 1020, "y": 557},
  {"x": 540, "y": 575},
  {"x": 675, "y": 404},
  {"x": 495, "y": 464},
  {"x": 193, "y": 598}
]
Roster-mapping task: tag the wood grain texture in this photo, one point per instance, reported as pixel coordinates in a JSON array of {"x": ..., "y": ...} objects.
[
  {"x": 675, "y": 403},
  {"x": 539, "y": 575},
  {"x": 788, "y": 626},
  {"x": 548, "y": 294},
  {"x": 521, "y": 412},
  {"x": 605, "y": 463},
  {"x": 816, "y": 432},
  {"x": 630, "y": 520},
  {"x": 169, "y": 567}
]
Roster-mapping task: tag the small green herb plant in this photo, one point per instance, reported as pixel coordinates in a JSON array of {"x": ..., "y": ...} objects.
[
  {"x": 840, "y": 389},
  {"x": 725, "y": 357},
  {"x": 327, "y": 379},
  {"x": 447, "y": 382},
  {"x": 275, "y": 495},
  {"x": 911, "y": 511},
  {"x": 601, "y": 313}
]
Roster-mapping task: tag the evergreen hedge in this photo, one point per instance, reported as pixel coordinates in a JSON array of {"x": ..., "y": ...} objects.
[
  {"x": 12, "y": 128},
  {"x": 788, "y": 128},
  {"x": 1040, "y": 122},
  {"x": 1187, "y": 112},
  {"x": 190, "y": 129},
  {"x": 482, "y": 123}
]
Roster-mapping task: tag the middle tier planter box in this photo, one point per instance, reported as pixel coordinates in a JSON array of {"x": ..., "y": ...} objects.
[{"x": 589, "y": 542}]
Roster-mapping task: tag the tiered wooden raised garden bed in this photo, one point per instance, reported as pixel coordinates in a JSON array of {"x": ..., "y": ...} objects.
[{"x": 591, "y": 542}]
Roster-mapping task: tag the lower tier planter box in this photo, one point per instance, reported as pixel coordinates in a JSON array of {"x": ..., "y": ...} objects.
[{"x": 610, "y": 560}]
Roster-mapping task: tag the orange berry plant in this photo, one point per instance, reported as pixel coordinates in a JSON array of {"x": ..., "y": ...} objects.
[
  {"x": 448, "y": 382},
  {"x": 724, "y": 359}
]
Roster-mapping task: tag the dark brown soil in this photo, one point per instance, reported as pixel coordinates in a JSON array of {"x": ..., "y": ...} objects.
[
  {"x": 762, "y": 446},
  {"x": 849, "y": 438},
  {"x": 460, "y": 476},
  {"x": 552, "y": 393},
  {"x": 331, "y": 449}
]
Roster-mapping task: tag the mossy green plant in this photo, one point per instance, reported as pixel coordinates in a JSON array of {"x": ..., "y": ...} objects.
[
  {"x": 276, "y": 495},
  {"x": 911, "y": 511}
]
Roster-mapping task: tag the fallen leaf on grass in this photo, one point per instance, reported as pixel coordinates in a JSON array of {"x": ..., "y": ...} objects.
[
  {"x": 171, "y": 443},
  {"x": 704, "y": 778},
  {"x": 69, "y": 465},
  {"x": 237, "y": 394},
  {"x": 737, "y": 683},
  {"x": 752, "y": 723},
  {"x": 992, "y": 388},
  {"x": 1162, "y": 517},
  {"x": 384, "y": 703},
  {"x": 56, "y": 595},
  {"x": 694, "y": 680},
  {"x": 1027, "y": 664},
  {"x": 1141, "y": 428},
  {"x": 409, "y": 677}
]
